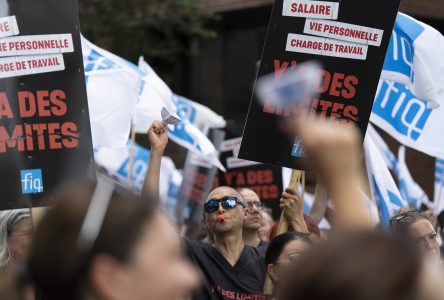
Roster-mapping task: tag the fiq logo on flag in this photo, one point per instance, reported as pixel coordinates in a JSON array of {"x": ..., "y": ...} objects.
[
  {"x": 398, "y": 106},
  {"x": 31, "y": 181}
]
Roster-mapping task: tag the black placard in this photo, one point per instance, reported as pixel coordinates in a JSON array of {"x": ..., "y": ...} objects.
[
  {"x": 45, "y": 135},
  {"x": 348, "y": 84}
]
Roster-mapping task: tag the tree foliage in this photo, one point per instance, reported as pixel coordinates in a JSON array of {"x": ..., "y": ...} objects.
[{"x": 161, "y": 30}]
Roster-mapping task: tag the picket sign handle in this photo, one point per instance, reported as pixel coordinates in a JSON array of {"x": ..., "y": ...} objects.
[
  {"x": 297, "y": 177},
  {"x": 36, "y": 215}
]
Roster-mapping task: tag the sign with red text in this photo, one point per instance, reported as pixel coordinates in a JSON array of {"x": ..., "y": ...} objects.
[
  {"x": 45, "y": 136},
  {"x": 349, "y": 39},
  {"x": 265, "y": 180}
]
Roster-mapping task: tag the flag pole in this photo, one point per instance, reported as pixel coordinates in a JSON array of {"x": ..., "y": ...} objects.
[
  {"x": 131, "y": 154},
  {"x": 297, "y": 177}
]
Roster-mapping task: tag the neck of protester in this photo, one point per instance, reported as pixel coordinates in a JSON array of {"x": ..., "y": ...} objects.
[
  {"x": 250, "y": 237},
  {"x": 230, "y": 246}
]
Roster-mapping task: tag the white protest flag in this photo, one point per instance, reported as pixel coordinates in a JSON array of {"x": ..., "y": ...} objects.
[
  {"x": 117, "y": 161},
  {"x": 387, "y": 155},
  {"x": 113, "y": 89},
  {"x": 189, "y": 136},
  {"x": 415, "y": 58},
  {"x": 383, "y": 188},
  {"x": 198, "y": 114},
  {"x": 410, "y": 190},
  {"x": 408, "y": 119},
  {"x": 438, "y": 193},
  {"x": 154, "y": 95}
]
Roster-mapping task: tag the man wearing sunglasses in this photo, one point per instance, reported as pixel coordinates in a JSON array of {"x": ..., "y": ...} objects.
[
  {"x": 231, "y": 269},
  {"x": 254, "y": 219}
]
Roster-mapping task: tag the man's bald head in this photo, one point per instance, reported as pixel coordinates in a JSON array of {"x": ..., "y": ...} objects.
[{"x": 224, "y": 191}]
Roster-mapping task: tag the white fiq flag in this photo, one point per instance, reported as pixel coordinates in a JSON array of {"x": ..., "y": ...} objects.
[
  {"x": 113, "y": 86},
  {"x": 408, "y": 119},
  {"x": 415, "y": 58},
  {"x": 408, "y": 188},
  {"x": 154, "y": 95},
  {"x": 384, "y": 191}
]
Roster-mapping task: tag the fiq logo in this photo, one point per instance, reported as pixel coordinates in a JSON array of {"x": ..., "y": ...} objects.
[{"x": 31, "y": 181}]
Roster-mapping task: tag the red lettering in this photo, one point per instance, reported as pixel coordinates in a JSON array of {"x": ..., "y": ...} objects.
[
  {"x": 27, "y": 104},
  {"x": 5, "y": 108},
  {"x": 350, "y": 84},
  {"x": 54, "y": 136},
  {"x": 59, "y": 109}
]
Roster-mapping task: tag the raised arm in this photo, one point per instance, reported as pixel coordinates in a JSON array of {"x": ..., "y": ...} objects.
[
  {"x": 334, "y": 152},
  {"x": 158, "y": 138}
]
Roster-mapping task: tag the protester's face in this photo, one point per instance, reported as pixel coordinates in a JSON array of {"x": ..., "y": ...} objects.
[
  {"x": 424, "y": 234},
  {"x": 233, "y": 218},
  {"x": 266, "y": 224},
  {"x": 157, "y": 270},
  {"x": 254, "y": 219},
  {"x": 290, "y": 254},
  {"x": 20, "y": 238}
]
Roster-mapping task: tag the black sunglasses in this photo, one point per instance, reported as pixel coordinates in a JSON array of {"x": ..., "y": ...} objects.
[{"x": 212, "y": 205}]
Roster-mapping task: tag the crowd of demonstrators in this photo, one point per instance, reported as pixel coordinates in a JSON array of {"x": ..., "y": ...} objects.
[
  {"x": 103, "y": 242},
  {"x": 99, "y": 241},
  {"x": 15, "y": 237},
  {"x": 231, "y": 268}
]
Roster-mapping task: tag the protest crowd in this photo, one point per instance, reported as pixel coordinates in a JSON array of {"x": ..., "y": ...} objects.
[{"x": 244, "y": 220}]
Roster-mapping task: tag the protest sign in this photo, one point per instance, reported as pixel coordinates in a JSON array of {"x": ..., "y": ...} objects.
[
  {"x": 45, "y": 136},
  {"x": 350, "y": 39},
  {"x": 265, "y": 180}
]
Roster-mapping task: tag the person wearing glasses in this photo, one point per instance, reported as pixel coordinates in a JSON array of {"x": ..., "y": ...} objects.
[
  {"x": 231, "y": 269},
  {"x": 253, "y": 221},
  {"x": 416, "y": 225}
]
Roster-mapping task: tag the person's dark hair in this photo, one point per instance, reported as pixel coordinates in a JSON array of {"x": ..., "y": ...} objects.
[
  {"x": 58, "y": 265},
  {"x": 364, "y": 266},
  {"x": 404, "y": 219},
  {"x": 278, "y": 244}
]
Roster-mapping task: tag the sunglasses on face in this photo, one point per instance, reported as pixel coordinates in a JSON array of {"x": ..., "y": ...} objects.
[{"x": 227, "y": 203}]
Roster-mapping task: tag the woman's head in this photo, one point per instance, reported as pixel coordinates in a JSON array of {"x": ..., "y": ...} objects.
[
  {"x": 365, "y": 266},
  {"x": 417, "y": 226},
  {"x": 135, "y": 253},
  {"x": 15, "y": 236},
  {"x": 283, "y": 250}
]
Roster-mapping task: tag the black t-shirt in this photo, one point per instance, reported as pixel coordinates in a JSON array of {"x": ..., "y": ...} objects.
[{"x": 243, "y": 281}]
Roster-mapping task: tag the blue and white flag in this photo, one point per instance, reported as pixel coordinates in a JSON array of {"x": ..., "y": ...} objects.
[
  {"x": 112, "y": 86},
  {"x": 117, "y": 163},
  {"x": 438, "y": 193},
  {"x": 154, "y": 95},
  {"x": 189, "y": 136},
  {"x": 383, "y": 188},
  {"x": 415, "y": 58},
  {"x": 409, "y": 189},
  {"x": 198, "y": 114},
  {"x": 408, "y": 119}
]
